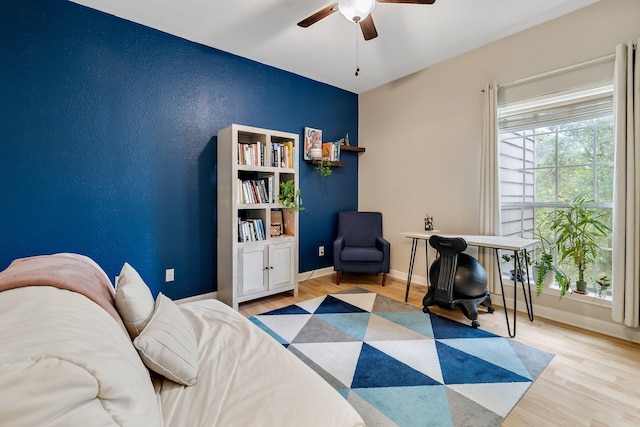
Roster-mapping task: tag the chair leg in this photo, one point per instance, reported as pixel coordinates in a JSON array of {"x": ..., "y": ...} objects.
[
  {"x": 338, "y": 278},
  {"x": 384, "y": 277}
]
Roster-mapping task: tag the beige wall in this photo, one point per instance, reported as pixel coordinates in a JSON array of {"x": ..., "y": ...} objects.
[{"x": 422, "y": 133}]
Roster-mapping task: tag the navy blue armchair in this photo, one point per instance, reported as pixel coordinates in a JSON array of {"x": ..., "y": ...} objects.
[{"x": 360, "y": 247}]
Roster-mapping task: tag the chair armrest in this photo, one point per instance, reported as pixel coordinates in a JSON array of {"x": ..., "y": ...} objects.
[
  {"x": 338, "y": 245},
  {"x": 384, "y": 245}
]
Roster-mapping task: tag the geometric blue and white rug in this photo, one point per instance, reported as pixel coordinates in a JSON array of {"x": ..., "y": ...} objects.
[{"x": 398, "y": 366}]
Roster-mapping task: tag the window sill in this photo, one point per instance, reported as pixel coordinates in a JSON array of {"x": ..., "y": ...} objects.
[{"x": 553, "y": 290}]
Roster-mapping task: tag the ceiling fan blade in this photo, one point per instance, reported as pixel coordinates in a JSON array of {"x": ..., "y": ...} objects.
[
  {"x": 408, "y": 1},
  {"x": 322, "y": 13},
  {"x": 368, "y": 28}
]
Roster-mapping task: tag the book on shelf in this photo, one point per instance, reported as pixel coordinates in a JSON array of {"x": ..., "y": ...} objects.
[
  {"x": 331, "y": 151},
  {"x": 251, "y": 154},
  {"x": 282, "y": 155},
  {"x": 250, "y": 230},
  {"x": 256, "y": 190}
]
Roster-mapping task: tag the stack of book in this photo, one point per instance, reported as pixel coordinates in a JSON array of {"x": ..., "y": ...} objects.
[
  {"x": 282, "y": 155},
  {"x": 250, "y": 230},
  {"x": 331, "y": 151},
  {"x": 251, "y": 154},
  {"x": 256, "y": 190}
]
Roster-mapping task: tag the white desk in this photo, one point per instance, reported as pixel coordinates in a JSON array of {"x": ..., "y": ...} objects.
[{"x": 514, "y": 244}]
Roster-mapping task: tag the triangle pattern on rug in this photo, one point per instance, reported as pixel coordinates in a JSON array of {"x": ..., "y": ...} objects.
[
  {"x": 287, "y": 326},
  {"x": 378, "y": 369},
  {"x": 332, "y": 304},
  {"x": 388, "y": 358},
  {"x": 459, "y": 367},
  {"x": 339, "y": 359},
  {"x": 420, "y": 355},
  {"x": 429, "y": 404}
]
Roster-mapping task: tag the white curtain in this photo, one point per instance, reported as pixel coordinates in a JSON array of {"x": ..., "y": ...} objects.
[
  {"x": 490, "y": 183},
  {"x": 626, "y": 221}
]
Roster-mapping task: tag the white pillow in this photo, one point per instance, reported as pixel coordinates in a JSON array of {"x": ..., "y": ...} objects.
[
  {"x": 134, "y": 301},
  {"x": 168, "y": 344}
]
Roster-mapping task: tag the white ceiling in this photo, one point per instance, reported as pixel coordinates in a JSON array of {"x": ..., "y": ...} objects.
[{"x": 411, "y": 37}]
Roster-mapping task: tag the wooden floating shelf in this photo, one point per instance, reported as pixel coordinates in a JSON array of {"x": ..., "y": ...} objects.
[
  {"x": 352, "y": 148},
  {"x": 333, "y": 164}
]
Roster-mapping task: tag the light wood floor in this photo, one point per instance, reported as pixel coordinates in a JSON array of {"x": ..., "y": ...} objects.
[{"x": 593, "y": 380}]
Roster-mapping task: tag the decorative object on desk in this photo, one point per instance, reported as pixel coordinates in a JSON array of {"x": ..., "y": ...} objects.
[
  {"x": 428, "y": 222},
  {"x": 388, "y": 358},
  {"x": 290, "y": 196},
  {"x": 312, "y": 144},
  {"x": 577, "y": 229},
  {"x": 324, "y": 168}
]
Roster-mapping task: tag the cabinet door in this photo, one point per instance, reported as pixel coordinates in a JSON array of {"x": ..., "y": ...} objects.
[
  {"x": 281, "y": 265},
  {"x": 252, "y": 270}
]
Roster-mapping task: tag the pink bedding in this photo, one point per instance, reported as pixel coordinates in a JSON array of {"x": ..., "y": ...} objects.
[{"x": 72, "y": 272}]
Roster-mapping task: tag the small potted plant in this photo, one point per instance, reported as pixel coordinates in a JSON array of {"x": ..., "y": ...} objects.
[
  {"x": 524, "y": 257},
  {"x": 543, "y": 265},
  {"x": 324, "y": 167},
  {"x": 290, "y": 196},
  {"x": 603, "y": 282},
  {"x": 577, "y": 231}
]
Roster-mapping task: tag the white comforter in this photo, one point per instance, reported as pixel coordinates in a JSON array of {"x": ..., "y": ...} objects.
[
  {"x": 64, "y": 361},
  {"x": 246, "y": 378}
]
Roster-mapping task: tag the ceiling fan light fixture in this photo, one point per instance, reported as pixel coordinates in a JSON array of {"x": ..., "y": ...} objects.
[{"x": 356, "y": 10}]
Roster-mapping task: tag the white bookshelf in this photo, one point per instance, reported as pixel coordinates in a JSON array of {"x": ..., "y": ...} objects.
[{"x": 251, "y": 263}]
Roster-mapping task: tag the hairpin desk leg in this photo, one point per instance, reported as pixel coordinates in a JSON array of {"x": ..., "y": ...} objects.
[{"x": 412, "y": 258}]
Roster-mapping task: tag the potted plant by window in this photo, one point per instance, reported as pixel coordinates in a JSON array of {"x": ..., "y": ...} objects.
[
  {"x": 543, "y": 265},
  {"x": 522, "y": 274},
  {"x": 577, "y": 231}
]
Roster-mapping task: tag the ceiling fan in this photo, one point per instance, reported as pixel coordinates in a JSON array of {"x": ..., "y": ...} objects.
[{"x": 358, "y": 11}]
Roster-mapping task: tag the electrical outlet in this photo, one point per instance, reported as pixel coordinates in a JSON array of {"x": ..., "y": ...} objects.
[
  {"x": 320, "y": 250},
  {"x": 169, "y": 275}
]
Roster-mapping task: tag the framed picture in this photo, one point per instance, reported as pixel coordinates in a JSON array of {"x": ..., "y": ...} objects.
[{"x": 312, "y": 138}]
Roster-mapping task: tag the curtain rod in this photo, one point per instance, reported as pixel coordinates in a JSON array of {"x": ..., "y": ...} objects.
[{"x": 576, "y": 66}]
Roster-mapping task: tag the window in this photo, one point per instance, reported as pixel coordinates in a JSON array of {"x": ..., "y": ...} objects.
[{"x": 553, "y": 149}]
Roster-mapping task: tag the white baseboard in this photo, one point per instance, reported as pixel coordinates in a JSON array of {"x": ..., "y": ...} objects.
[
  {"x": 565, "y": 316},
  {"x": 209, "y": 295},
  {"x": 303, "y": 277},
  {"x": 611, "y": 329}
]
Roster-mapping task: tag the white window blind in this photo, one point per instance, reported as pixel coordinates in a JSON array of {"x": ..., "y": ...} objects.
[{"x": 553, "y": 110}]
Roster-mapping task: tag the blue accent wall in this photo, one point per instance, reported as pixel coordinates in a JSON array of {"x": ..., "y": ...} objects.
[{"x": 108, "y": 143}]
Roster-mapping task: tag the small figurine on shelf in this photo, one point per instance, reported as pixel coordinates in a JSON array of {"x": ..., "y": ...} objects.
[{"x": 428, "y": 222}]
